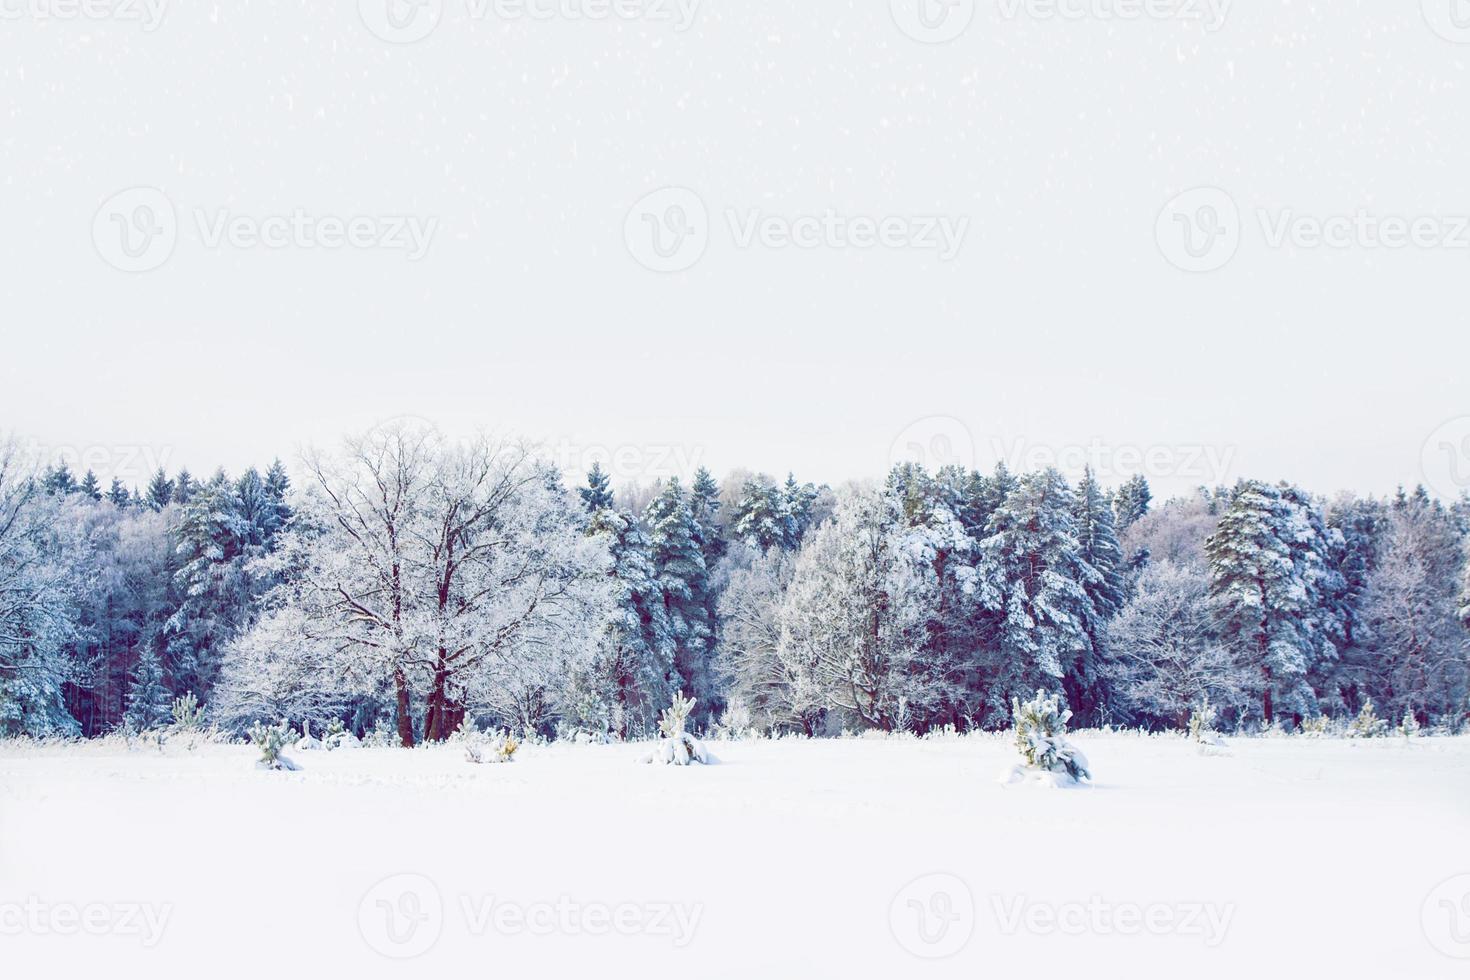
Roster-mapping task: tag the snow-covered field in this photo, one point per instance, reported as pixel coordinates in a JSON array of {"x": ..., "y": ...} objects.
[{"x": 843, "y": 858}]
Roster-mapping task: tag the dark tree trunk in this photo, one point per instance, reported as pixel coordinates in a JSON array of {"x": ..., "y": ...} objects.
[{"x": 405, "y": 713}]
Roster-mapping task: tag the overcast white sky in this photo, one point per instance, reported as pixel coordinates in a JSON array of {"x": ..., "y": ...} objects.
[{"x": 1063, "y": 323}]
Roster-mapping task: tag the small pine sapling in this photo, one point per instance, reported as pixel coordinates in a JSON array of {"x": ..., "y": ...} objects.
[
  {"x": 677, "y": 747},
  {"x": 499, "y": 750},
  {"x": 1202, "y": 729},
  {"x": 1409, "y": 727},
  {"x": 271, "y": 739},
  {"x": 1041, "y": 730},
  {"x": 338, "y": 737},
  {"x": 1318, "y": 727},
  {"x": 1368, "y": 724},
  {"x": 188, "y": 719}
]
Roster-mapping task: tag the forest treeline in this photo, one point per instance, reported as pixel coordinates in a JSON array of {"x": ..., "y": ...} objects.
[{"x": 408, "y": 581}]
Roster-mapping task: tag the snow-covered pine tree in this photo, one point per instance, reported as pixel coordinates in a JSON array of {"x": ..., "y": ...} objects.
[
  {"x": 184, "y": 487},
  {"x": 90, "y": 486},
  {"x": 683, "y": 578},
  {"x": 1041, "y": 738},
  {"x": 1273, "y": 589},
  {"x": 160, "y": 491},
  {"x": 118, "y": 494},
  {"x": 675, "y": 746},
  {"x": 1409, "y": 727},
  {"x": 798, "y": 501},
  {"x": 597, "y": 495},
  {"x": 1097, "y": 540},
  {"x": 632, "y": 673},
  {"x": 58, "y": 481},
  {"x": 212, "y": 598},
  {"x": 1131, "y": 502},
  {"x": 1033, "y": 577},
  {"x": 759, "y": 517},
  {"x": 149, "y": 703},
  {"x": 188, "y": 715},
  {"x": 276, "y": 516},
  {"x": 1367, "y": 724},
  {"x": 929, "y": 530},
  {"x": 271, "y": 740}
]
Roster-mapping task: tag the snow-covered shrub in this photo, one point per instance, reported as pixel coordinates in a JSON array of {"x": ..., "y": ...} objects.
[
  {"x": 271, "y": 739},
  {"x": 1318, "y": 727},
  {"x": 1409, "y": 727},
  {"x": 1041, "y": 729},
  {"x": 500, "y": 749},
  {"x": 677, "y": 747},
  {"x": 338, "y": 737},
  {"x": 188, "y": 715},
  {"x": 468, "y": 732},
  {"x": 308, "y": 742},
  {"x": 735, "y": 722},
  {"x": 1202, "y": 729},
  {"x": 1368, "y": 724},
  {"x": 383, "y": 735}
]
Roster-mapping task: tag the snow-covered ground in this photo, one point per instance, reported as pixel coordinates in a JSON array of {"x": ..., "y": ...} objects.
[{"x": 844, "y": 858}]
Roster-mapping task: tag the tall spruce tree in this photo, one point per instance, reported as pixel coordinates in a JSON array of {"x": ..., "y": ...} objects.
[
  {"x": 1131, "y": 502},
  {"x": 1272, "y": 587},
  {"x": 1033, "y": 577},
  {"x": 149, "y": 702},
  {"x": 160, "y": 490},
  {"x": 90, "y": 486},
  {"x": 679, "y": 565},
  {"x": 118, "y": 494}
]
